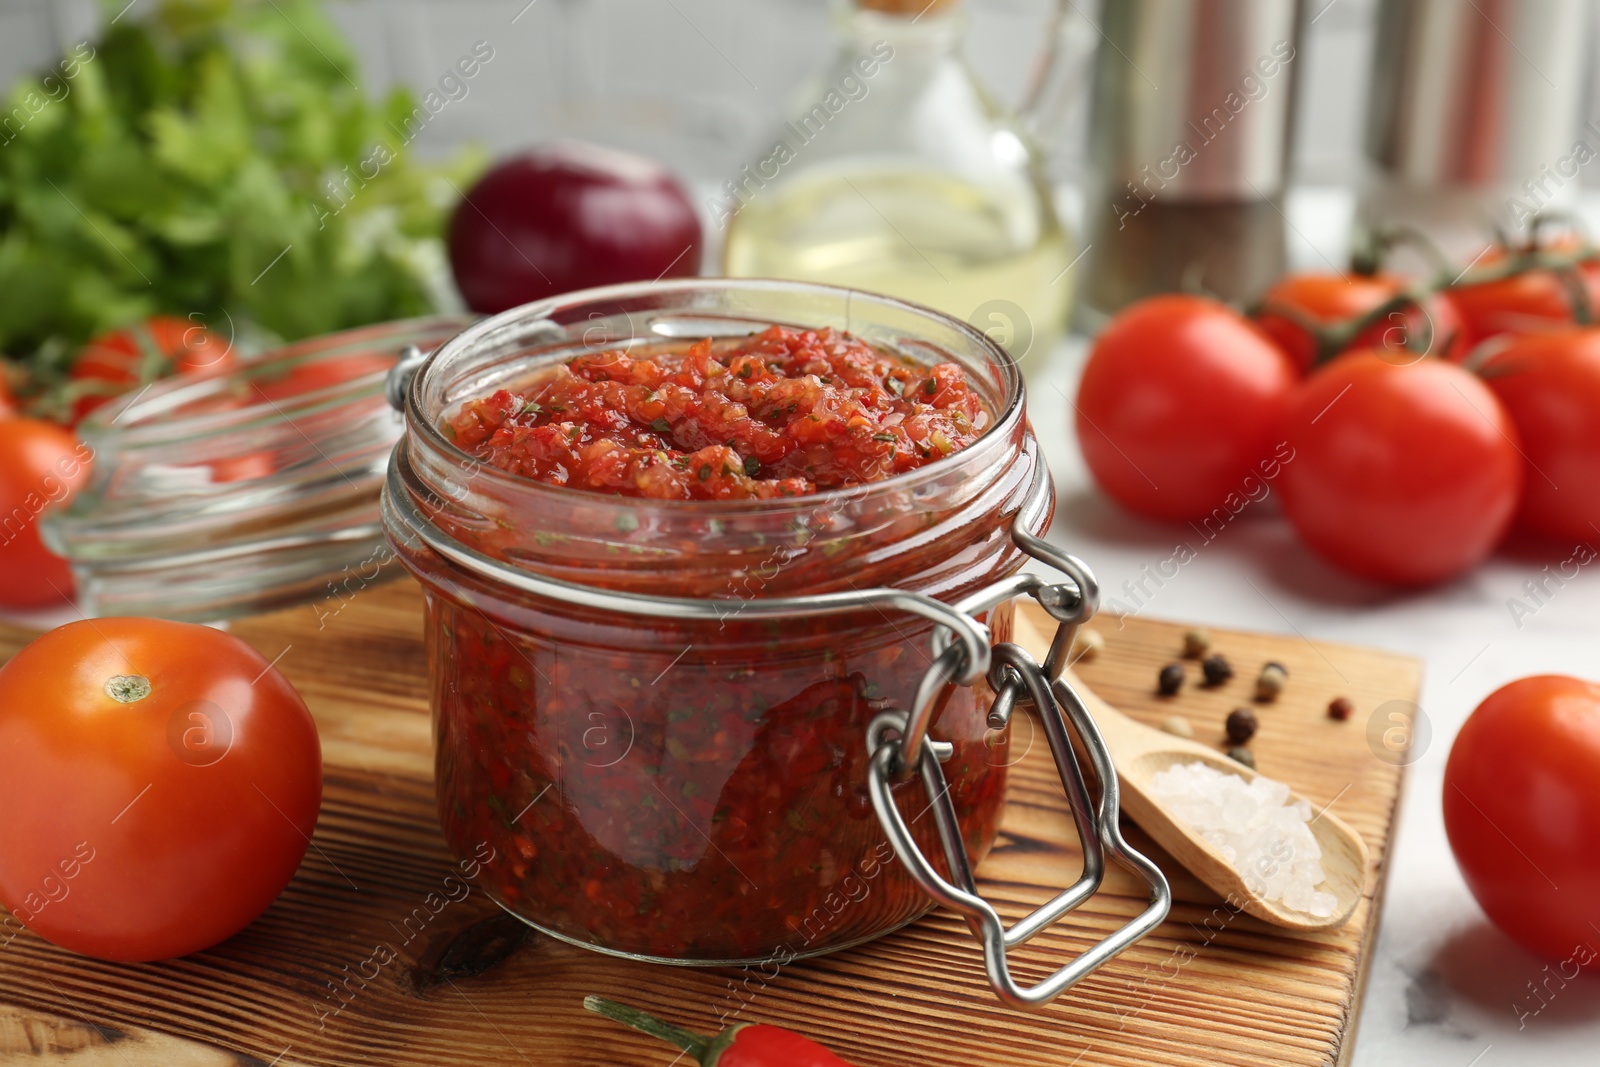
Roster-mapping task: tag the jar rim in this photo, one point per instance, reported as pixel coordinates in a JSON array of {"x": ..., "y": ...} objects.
[{"x": 533, "y": 322}]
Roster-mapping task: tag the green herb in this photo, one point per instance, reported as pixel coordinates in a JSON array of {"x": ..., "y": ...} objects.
[
  {"x": 531, "y": 408},
  {"x": 214, "y": 159},
  {"x": 661, "y": 426},
  {"x": 884, "y": 437},
  {"x": 705, "y": 472},
  {"x": 752, "y": 466},
  {"x": 929, "y": 387}
]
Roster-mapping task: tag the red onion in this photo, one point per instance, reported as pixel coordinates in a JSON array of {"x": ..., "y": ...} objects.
[{"x": 570, "y": 216}]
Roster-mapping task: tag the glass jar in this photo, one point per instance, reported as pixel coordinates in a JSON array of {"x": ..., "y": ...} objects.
[
  {"x": 696, "y": 789},
  {"x": 242, "y": 490}
]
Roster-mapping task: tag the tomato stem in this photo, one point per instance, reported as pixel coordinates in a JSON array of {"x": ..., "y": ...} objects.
[
  {"x": 127, "y": 688},
  {"x": 1332, "y": 338},
  {"x": 1372, "y": 247},
  {"x": 1577, "y": 295}
]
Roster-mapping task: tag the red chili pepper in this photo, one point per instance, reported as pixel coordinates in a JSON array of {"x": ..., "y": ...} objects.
[{"x": 744, "y": 1045}]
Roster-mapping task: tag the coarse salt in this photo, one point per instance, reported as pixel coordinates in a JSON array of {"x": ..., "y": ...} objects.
[{"x": 1259, "y": 830}]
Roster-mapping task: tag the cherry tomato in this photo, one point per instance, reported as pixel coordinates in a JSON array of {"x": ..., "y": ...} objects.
[
  {"x": 117, "y": 362},
  {"x": 1522, "y": 811},
  {"x": 1326, "y": 297},
  {"x": 1529, "y": 302},
  {"x": 160, "y": 783},
  {"x": 1550, "y": 384},
  {"x": 41, "y": 466},
  {"x": 1405, "y": 469},
  {"x": 322, "y": 374},
  {"x": 1181, "y": 399}
]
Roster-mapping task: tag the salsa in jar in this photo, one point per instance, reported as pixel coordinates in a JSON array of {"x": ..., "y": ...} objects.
[
  {"x": 784, "y": 413},
  {"x": 695, "y": 789}
]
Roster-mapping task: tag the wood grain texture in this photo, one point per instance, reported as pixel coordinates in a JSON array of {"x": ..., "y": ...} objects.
[{"x": 470, "y": 985}]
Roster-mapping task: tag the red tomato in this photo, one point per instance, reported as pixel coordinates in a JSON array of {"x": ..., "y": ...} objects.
[
  {"x": 1403, "y": 472},
  {"x": 322, "y": 374},
  {"x": 1182, "y": 398},
  {"x": 1327, "y": 297},
  {"x": 1550, "y": 384},
  {"x": 1522, "y": 810},
  {"x": 41, "y": 466},
  {"x": 160, "y": 782},
  {"x": 8, "y": 405},
  {"x": 1523, "y": 303},
  {"x": 117, "y": 362}
]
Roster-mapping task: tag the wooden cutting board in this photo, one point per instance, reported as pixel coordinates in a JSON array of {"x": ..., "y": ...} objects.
[{"x": 1209, "y": 987}]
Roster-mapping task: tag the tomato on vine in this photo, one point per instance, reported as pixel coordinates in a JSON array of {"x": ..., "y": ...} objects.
[
  {"x": 116, "y": 362},
  {"x": 1532, "y": 299},
  {"x": 1330, "y": 301},
  {"x": 1406, "y": 468},
  {"x": 1550, "y": 385},
  {"x": 1181, "y": 400}
]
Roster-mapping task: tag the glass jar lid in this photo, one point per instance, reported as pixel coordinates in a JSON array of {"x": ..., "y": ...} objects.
[{"x": 243, "y": 490}]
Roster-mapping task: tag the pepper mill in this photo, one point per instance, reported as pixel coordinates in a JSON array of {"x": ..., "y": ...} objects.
[
  {"x": 1473, "y": 118},
  {"x": 1189, "y": 137}
]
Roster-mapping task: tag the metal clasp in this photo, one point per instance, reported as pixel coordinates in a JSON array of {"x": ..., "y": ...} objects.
[
  {"x": 899, "y": 743},
  {"x": 398, "y": 382}
]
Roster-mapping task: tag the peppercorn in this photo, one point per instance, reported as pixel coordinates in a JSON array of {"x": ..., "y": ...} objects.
[
  {"x": 1241, "y": 725},
  {"x": 1087, "y": 645},
  {"x": 1178, "y": 726},
  {"x": 1216, "y": 669},
  {"x": 1240, "y": 754},
  {"x": 1170, "y": 680},
  {"x": 1340, "y": 708},
  {"x": 1271, "y": 681},
  {"x": 1196, "y": 643}
]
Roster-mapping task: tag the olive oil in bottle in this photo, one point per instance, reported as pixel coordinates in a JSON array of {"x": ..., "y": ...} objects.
[{"x": 903, "y": 178}]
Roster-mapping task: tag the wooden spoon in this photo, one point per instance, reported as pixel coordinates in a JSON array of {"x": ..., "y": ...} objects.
[{"x": 1139, "y": 752}]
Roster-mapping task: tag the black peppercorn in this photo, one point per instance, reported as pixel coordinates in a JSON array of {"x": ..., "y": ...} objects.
[
  {"x": 1170, "y": 680},
  {"x": 1271, "y": 681},
  {"x": 1216, "y": 669},
  {"x": 1241, "y": 725},
  {"x": 1340, "y": 708}
]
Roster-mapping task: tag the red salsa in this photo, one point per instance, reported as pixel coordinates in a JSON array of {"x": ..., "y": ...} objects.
[
  {"x": 698, "y": 790},
  {"x": 784, "y": 413}
]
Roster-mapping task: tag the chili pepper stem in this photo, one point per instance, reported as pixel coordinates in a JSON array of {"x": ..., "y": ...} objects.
[{"x": 692, "y": 1043}]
